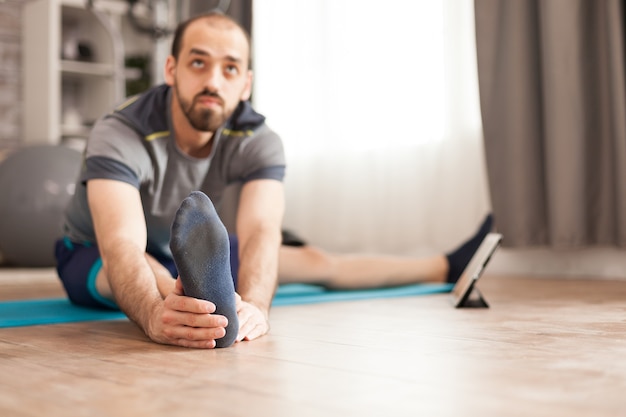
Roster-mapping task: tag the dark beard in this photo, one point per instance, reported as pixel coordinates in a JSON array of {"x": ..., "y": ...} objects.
[{"x": 204, "y": 120}]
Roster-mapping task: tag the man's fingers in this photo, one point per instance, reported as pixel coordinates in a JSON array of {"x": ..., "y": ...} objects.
[
  {"x": 258, "y": 331},
  {"x": 194, "y": 334},
  {"x": 178, "y": 287},
  {"x": 180, "y": 318},
  {"x": 251, "y": 325},
  {"x": 245, "y": 325},
  {"x": 204, "y": 344},
  {"x": 244, "y": 329},
  {"x": 189, "y": 304},
  {"x": 184, "y": 321}
]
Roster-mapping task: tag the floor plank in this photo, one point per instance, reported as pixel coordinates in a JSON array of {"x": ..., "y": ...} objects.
[{"x": 546, "y": 347}]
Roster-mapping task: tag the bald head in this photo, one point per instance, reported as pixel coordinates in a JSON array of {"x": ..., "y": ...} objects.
[{"x": 214, "y": 19}]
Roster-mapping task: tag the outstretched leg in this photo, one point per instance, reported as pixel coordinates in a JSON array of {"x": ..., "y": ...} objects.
[
  {"x": 308, "y": 264},
  {"x": 201, "y": 251}
]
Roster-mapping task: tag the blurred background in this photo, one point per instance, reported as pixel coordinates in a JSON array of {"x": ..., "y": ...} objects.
[{"x": 404, "y": 122}]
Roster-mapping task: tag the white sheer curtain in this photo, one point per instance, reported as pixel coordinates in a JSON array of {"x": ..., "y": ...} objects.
[{"x": 377, "y": 105}]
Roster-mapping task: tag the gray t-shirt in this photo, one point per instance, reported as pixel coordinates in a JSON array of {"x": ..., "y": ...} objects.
[{"x": 135, "y": 144}]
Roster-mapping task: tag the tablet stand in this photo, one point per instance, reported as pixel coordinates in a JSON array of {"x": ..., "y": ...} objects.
[{"x": 473, "y": 298}]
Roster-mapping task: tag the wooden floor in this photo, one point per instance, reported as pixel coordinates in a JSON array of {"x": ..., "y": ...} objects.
[{"x": 544, "y": 348}]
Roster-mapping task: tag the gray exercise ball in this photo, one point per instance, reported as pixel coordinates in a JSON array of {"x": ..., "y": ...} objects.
[{"x": 36, "y": 183}]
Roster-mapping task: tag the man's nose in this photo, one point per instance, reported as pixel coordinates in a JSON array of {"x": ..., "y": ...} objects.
[{"x": 214, "y": 79}]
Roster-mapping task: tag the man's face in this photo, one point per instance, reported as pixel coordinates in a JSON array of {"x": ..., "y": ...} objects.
[{"x": 211, "y": 73}]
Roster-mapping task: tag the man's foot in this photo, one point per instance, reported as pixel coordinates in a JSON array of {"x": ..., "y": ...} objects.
[
  {"x": 201, "y": 251},
  {"x": 460, "y": 257}
]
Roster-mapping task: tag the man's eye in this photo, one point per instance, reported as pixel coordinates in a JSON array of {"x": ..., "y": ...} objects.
[
  {"x": 196, "y": 63},
  {"x": 232, "y": 70}
]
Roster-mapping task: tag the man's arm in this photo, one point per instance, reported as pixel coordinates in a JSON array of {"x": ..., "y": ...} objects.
[
  {"x": 121, "y": 234},
  {"x": 259, "y": 219}
]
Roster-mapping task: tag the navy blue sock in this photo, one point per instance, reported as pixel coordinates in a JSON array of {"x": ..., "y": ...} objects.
[
  {"x": 201, "y": 251},
  {"x": 460, "y": 257}
]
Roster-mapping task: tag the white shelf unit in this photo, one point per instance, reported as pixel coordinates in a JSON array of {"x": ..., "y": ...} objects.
[{"x": 65, "y": 91}]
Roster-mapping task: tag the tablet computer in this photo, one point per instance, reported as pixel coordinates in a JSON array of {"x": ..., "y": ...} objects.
[{"x": 465, "y": 293}]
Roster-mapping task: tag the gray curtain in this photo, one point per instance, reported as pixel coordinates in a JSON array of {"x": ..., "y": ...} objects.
[{"x": 552, "y": 93}]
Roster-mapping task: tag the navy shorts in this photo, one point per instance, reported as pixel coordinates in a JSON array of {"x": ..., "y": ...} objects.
[{"x": 78, "y": 265}]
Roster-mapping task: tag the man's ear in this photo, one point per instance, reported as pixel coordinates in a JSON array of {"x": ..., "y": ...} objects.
[
  {"x": 170, "y": 70},
  {"x": 247, "y": 91}
]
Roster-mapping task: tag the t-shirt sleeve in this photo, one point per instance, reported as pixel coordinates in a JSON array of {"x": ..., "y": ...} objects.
[
  {"x": 262, "y": 156},
  {"x": 114, "y": 151}
]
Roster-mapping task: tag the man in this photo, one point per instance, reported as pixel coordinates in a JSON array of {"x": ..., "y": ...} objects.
[
  {"x": 133, "y": 181},
  {"x": 127, "y": 235}
]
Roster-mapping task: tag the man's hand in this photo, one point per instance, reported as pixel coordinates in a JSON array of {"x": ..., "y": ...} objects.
[
  {"x": 253, "y": 323},
  {"x": 186, "y": 321}
]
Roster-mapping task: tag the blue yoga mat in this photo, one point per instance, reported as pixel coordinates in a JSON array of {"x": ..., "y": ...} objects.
[{"x": 60, "y": 310}]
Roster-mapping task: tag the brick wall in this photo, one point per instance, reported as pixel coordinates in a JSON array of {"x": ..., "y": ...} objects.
[{"x": 10, "y": 73}]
